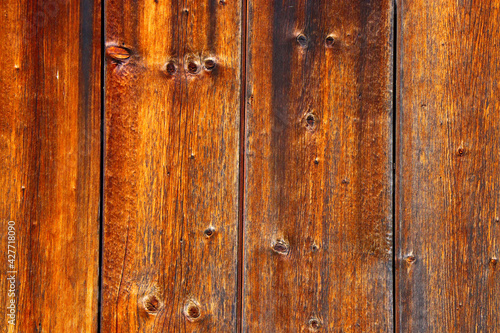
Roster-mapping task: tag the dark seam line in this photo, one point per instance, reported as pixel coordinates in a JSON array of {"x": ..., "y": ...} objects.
[
  {"x": 241, "y": 194},
  {"x": 395, "y": 167},
  {"x": 101, "y": 180}
]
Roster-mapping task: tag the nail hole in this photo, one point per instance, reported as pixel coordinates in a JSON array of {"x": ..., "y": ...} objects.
[
  {"x": 192, "y": 312},
  {"x": 209, "y": 232},
  {"x": 493, "y": 262},
  {"x": 193, "y": 67},
  {"x": 461, "y": 151},
  {"x": 151, "y": 304},
  {"x": 314, "y": 324},
  {"x": 302, "y": 40},
  {"x": 316, "y": 161},
  {"x": 281, "y": 247},
  {"x": 314, "y": 248},
  {"x": 118, "y": 54},
  {"x": 329, "y": 41},
  {"x": 209, "y": 65}
]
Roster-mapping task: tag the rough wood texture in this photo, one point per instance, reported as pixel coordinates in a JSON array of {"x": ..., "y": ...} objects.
[
  {"x": 50, "y": 161},
  {"x": 171, "y": 166},
  {"x": 449, "y": 166},
  {"x": 318, "y": 214}
]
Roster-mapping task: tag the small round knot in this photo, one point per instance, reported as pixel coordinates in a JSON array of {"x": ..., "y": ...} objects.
[
  {"x": 209, "y": 65},
  {"x": 329, "y": 41},
  {"x": 151, "y": 304},
  {"x": 302, "y": 40},
  {"x": 310, "y": 121},
  {"x": 314, "y": 324},
  {"x": 193, "y": 67},
  {"x": 170, "y": 68},
  {"x": 192, "y": 311},
  {"x": 281, "y": 247},
  {"x": 494, "y": 262},
  {"x": 410, "y": 259},
  {"x": 209, "y": 232}
]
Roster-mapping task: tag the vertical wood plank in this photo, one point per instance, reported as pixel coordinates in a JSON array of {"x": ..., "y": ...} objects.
[
  {"x": 171, "y": 166},
  {"x": 50, "y": 166},
  {"x": 318, "y": 202},
  {"x": 448, "y": 166}
]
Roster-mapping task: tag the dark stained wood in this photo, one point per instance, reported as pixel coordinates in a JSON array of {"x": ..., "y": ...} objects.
[
  {"x": 171, "y": 166},
  {"x": 50, "y": 162},
  {"x": 448, "y": 166},
  {"x": 318, "y": 196}
]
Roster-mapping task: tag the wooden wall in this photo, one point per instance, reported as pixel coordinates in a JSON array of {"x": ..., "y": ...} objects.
[{"x": 250, "y": 166}]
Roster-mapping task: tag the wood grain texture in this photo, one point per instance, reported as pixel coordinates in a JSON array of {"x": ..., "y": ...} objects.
[
  {"x": 318, "y": 202},
  {"x": 171, "y": 166},
  {"x": 448, "y": 166},
  {"x": 50, "y": 165}
]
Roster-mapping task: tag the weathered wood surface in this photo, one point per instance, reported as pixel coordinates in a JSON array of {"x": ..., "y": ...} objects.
[
  {"x": 171, "y": 166},
  {"x": 448, "y": 166},
  {"x": 50, "y": 162},
  {"x": 318, "y": 203}
]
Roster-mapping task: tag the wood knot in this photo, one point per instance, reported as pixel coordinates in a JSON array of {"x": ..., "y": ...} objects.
[
  {"x": 310, "y": 121},
  {"x": 302, "y": 40},
  {"x": 314, "y": 324},
  {"x": 193, "y": 67},
  {"x": 118, "y": 54},
  {"x": 209, "y": 232},
  {"x": 209, "y": 64},
  {"x": 151, "y": 304},
  {"x": 493, "y": 262},
  {"x": 281, "y": 247},
  {"x": 170, "y": 68},
  {"x": 410, "y": 259},
  {"x": 192, "y": 311},
  {"x": 329, "y": 41}
]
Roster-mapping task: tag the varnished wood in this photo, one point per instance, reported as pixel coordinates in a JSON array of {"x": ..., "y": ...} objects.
[
  {"x": 171, "y": 166},
  {"x": 318, "y": 202},
  {"x": 448, "y": 166},
  {"x": 50, "y": 162}
]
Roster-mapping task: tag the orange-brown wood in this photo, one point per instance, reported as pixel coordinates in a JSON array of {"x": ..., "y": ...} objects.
[
  {"x": 448, "y": 166},
  {"x": 171, "y": 166},
  {"x": 318, "y": 202},
  {"x": 50, "y": 164}
]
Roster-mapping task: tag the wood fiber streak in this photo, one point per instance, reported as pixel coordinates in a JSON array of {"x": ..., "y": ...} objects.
[
  {"x": 171, "y": 166},
  {"x": 448, "y": 166},
  {"x": 50, "y": 165},
  {"x": 318, "y": 196}
]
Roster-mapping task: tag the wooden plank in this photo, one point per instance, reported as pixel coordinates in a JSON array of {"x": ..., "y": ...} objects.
[
  {"x": 171, "y": 166},
  {"x": 318, "y": 202},
  {"x": 50, "y": 165},
  {"x": 448, "y": 166}
]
